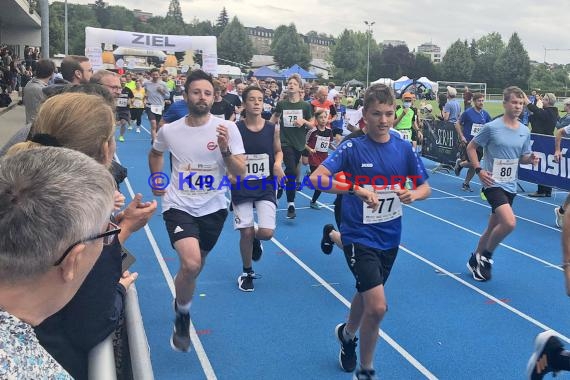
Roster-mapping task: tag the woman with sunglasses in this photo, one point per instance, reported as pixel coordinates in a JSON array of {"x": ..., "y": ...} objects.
[{"x": 86, "y": 123}]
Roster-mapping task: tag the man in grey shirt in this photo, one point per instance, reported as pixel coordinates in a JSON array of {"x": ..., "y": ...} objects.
[
  {"x": 156, "y": 92},
  {"x": 452, "y": 109},
  {"x": 33, "y": 92}
]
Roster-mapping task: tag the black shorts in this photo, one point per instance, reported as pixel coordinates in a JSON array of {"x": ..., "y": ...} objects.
[
  {"x": 206, "y": 229},
  {"x": 496, "y": 197},
  {"x": 369, "y": 266},
  {"x": 463, "y": 152},
  {"x": 153, "y": 116},
  {"x": 123, "y": 114}
]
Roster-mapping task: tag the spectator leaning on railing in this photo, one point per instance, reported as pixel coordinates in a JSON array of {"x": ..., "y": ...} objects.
[{"x": 54, "y": 219}]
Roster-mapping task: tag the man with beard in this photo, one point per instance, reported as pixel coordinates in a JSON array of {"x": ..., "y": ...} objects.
[{"x": 204, "y": 148}]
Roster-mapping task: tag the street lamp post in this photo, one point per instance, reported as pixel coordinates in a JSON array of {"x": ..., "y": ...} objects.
[
  {"x": 65, "y": 30},
  {"x": 369, "y": 25}
]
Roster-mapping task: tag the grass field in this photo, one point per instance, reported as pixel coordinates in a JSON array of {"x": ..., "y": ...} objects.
[{"x": 492, "y": 106}]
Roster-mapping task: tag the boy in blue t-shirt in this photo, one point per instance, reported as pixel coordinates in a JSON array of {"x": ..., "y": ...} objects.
[
  {"x": 338, "y": 123},
  {"x": 376, "y": 166}
]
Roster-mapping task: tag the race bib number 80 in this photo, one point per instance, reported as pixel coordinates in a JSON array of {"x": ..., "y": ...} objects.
[{"x": 505, "y": 170}]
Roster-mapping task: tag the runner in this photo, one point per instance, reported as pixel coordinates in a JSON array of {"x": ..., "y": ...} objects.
[
  {"x": 318, "y": 142},
  {"x": 338, "y": 123},
  {"x": 371, "y": 220},
  {"x": 122, "y": 105},
  {"x": 468, "y": 125},
  {"x": 263, "y": 160},
  {"x": 294, "y": 117},
  {"x": 203, "y": 149},
  {"x": 137, "y": 104},
  {"x": 156, "y": 93},
  {"x": 506, "y": 143}
]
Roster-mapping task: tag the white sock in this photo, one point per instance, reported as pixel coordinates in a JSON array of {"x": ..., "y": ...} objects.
[
  {"x": 346, "y": 335},
  {"x": 183, "y": 308},
  {"x": 291, "y": 204}
]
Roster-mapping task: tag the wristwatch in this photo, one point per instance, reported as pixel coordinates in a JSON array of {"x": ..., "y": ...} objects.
[
  {"x": 351, "y": 189},
  {"x": 478, "y": 170},
  {"x": 226, "y": 153}
]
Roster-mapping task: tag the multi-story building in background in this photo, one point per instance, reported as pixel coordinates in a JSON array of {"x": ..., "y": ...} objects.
[
  {"x": 394, "y": 43},
  {"x": 431, "y": 50},
  {"x": 261, "y": 39}
]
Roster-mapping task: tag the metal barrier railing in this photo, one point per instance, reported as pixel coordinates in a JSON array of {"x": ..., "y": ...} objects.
[{"x": 102, "y": 358}]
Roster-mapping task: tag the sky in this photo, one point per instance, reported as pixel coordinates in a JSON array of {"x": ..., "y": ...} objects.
[{"x": 538, "y": 23}]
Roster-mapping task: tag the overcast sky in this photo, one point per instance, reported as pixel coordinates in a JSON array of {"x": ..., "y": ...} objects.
[{"x": 540, "y": 24}]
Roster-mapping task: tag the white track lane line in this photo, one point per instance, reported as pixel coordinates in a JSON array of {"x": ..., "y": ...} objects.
[
  {"x": 200, "y": 352},
  {"x": 473, "y": 287},
  {"x": 487, "y": 206},
  {"x": 405, "y": 354}
]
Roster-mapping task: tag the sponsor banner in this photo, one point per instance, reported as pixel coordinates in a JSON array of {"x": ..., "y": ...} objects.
[
  {"x": 440, "y": 142},
  {"x": 548, "y": 172}
]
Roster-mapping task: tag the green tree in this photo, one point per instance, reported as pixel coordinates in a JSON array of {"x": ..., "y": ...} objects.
[
  {"x": 234, "y": 44},
  {"x": 80, "y": 17},
  {"x": 102, "y": 13},
  {"x": 489, "y": 48},
  {"x": 513, "y": 65},
  {"x": 457, "y": 64},
  {"x": 289, "y": 48},
  {"x": 56, "y": 32},
  {"x": 347, "y": 57},
  {"x": 120, "y": 18},
  {"x": 174, "y": 13},
  {"x": 221, "y": 22},
  {"x": 423, "y": 67}
]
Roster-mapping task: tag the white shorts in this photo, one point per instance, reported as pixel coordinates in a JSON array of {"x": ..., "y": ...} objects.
[{"x": 243, "y": 214}]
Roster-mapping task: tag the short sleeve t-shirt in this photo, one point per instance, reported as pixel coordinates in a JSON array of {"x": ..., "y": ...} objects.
[
  {"x": 380, "y": 163},
  {"x": 290, "y": 134},
  {"x": 471, "y": 118},
  {"x": 320, "y": 141},
  {"x": 502, "y": 148},
  {"x": 453, "y": 108},
  {"x": 198, "y": 181}
]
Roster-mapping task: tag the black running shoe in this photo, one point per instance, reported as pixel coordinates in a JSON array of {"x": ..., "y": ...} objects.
[
  {"x": 546, "y": 346},
  {"x": 279, "y": 193},
  {"x": 466, "y": 187},
  {"x": 365, "y": 374},
  {"x": 457, "y": 168},
  {"x": 257, "y": 250},
  {"x": 327, "y": 244},
  {"x": 245, "y": 282},
  {"x": 472, "y": 266},
  {"x": 180, "y": 339},
  {"x": 484, "y": 266},
  {"x": 291, "y": 214},
  {"x": 347, "y": 354}
]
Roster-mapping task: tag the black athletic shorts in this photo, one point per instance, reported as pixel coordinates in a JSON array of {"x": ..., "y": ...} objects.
[
  {"x": 337, "y": 131},
  {"x": 497, "y": 196},
  {"x": 369, "y": 266},
  {"x": 206, "y": 229},
  {"x": 463, "y": 152}
]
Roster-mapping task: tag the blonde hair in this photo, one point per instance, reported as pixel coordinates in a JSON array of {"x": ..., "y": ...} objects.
[{"x": 77, "y": 121}]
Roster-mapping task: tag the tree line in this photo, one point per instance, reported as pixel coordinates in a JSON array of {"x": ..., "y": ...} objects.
[{"x": 488, "y": 59}]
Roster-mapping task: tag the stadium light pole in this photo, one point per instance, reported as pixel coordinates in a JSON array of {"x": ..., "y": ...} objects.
[
  {"x": 65, "y": 30},
  {"x": 369, "y": 25}
]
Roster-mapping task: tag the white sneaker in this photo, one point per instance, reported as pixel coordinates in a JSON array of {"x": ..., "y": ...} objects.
[
  {"x": 559, "y": 217},
  {"x": 138, "y": 130}
]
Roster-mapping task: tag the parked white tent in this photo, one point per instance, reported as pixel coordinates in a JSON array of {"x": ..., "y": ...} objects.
[
  {"x": 386, "y": 81},
  {"x": 434, "y": 85},
  {"x": 229, "y": 70}
]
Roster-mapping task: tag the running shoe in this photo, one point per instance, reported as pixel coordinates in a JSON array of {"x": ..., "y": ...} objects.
[
  {"x": 130, "y": 127},
  {"x": 180, "y": 339},
  {"x": 121, "y": 139},
  {"x": 138, "y": 130},
  {"x": 457, "y": 168},
  {"x": 559, "y": 217},
  {"x": 327, "y": 244},
  {"x": 291, "y": 214},
  {"x": 279, "y": 192},
  {"x": 257, "y": 250},
  {"x": 245, "y": 282},
  {"x": 365, "y": 374},
  {"x": 347, "y": 354},
  {"x": 546, "y": 346},
  {"x": 484, "y": 266},
  {"x": 472, "y": 266},
  {"x": 466, "y": 187},
  {"x": 315, "y": 206}
]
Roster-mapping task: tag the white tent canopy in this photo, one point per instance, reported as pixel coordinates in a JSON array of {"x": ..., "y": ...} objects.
[
  {"x": 386, "y": 81},
  {"x": 434, "y": 85},
  {"x": 229, "y": 70},
  {"x": 402, "y": 79}
]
